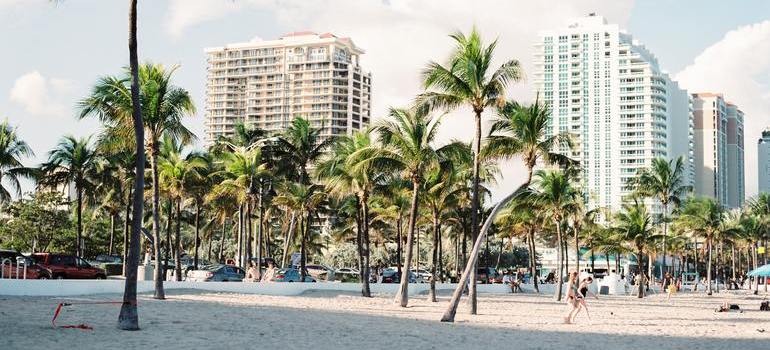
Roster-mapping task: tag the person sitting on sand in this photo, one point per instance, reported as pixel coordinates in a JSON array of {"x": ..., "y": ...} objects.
[
  {"x": 252, "y": 275},
  {"x": 573, "y": 297},
  {"x": 269, "y": 273}
]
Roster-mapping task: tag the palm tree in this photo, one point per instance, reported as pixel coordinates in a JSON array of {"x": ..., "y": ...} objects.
[
  {"x": 555, "y": 197},
  {"x": 704, "y": 217},
  {"x": 303, "y": 200},
  {"x": 466, "y": 81},
  {"x": 12, "y": 149},
  {"x": 406, "y": 146},
  {"x": 343, "y": 177},
  {"x": 633, "y": 225},
  {"x": 520, "y": 219},
  {"x": 760, "y": 208},
  {"x": 176, "y": 175},
  {"x": 163, "y": 106},
  {"x": 72, "y": 163},
  {"x": 665, "y": 181}
]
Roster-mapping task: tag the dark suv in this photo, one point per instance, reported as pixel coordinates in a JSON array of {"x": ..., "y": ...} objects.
[
  {"x": 34, "y": 271},
  {"x": 68, "y": 266}
]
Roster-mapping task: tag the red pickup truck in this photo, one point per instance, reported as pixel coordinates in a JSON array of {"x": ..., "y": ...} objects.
[{"x": 68, "y": 266}]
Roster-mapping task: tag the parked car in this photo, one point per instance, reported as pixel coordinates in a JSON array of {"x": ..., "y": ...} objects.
[
  {"x": 291, "y": 274},
  {"x": 68, "y": 266},
  {"x": 346, "y": 274},
  {"x": 320, "y": 272},
  {"x": 422, "y": 275},
  {"x": 34, "y": 270},
  {"x": 483, "y": 275},
  {"x": 107, "y": 259},
  {"x": 391, "y": 275},
  {"x": 216, "y": 273}
]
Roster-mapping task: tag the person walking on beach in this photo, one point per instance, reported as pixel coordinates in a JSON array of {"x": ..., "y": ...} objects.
[
  {"x": 573, "y": 297},
  {"x": 583, "y": 292},
  {"x": 667, "y": 284},
  {"x": 269, "y": 272},
  {"x": 252, "y": 275}
]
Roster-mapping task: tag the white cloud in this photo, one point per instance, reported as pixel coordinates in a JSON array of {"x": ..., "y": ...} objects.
[
  {"x": 738, "y": 66},
  {"x": 188, "y": 13},
  {"x": 40, "y": 96},
  {"x": 401, "y": 36}
]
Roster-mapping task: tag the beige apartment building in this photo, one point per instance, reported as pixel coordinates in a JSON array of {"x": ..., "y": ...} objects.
[
  {"x": 302, "y": 74},
  {"x": 719, "y": 157}
]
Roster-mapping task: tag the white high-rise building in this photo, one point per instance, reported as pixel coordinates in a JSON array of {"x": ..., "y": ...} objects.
[
  {"x": 608, "y": 91},
  {"x": 763, "y": 156},
  {"x": 736, "y": 183},
  {"x": 302, "y": 74}
]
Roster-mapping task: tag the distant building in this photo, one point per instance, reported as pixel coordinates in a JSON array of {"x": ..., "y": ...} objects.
[
  {"x": 763, "y": 166},
  {"x": 608, "y": 91},
  {"x": 268, "y": 83},
  {"x": 719, "y": 156}
]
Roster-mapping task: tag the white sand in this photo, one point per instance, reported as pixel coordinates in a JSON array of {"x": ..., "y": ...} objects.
[{"x": 326, "y": 320}]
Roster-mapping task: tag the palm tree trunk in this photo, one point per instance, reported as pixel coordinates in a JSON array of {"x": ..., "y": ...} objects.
[
  {"x": 640, "y": 287},
  {"x": 220, "y": 258},
  {"x": 249, "y": 246},
  {"x": 289, "y": 237},
  {"x": 398, "y": 243},
  {"x": 440, "y": 267},
  {"x": 360, "y": 244},
  {"x": 79, "y": 238},
  {"x": 434, "y": 257},
  {"x": 305, "y": 228},
  {"x": 533, "y": 260},
  {"x": 126, "y": 232},
  {"x": 475, "y": 208},
  {"x": 159, "y": 292},
  {"x": 112, "y": 233},
  {"x": 402, "y": 297},
  {"x": 128, "y": 319},
  {"x": 577, "y": 250},
  {"x": 593, "y": 262},
  {"x": 365, "y": 290},
  {"x": 167, "y": 248},
  {"x": 708, "y": 268},
  {"x": 259, "y": 232},
  {"x": 240, "y": 236},
  {"x": 177, "y": 241},
  {"x": 607, "y": 258},
  {"x": 665, "y": 237},
  {"x": 197, "y": 235},
  {"x": 560, "y": 260}
]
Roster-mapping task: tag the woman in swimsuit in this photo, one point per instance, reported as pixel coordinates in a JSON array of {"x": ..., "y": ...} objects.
[
  {"x": 573, "y": 297},
  {"x": 584, "y": 292}
]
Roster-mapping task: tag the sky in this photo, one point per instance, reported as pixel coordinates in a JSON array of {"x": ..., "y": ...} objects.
[{"x": 54, "y": 51}]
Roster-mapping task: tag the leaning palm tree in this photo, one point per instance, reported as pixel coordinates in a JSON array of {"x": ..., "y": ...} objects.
[
  {"x": 303, "y": 200},
  {"x": 665, "y": 181},
  {"x": 633, "y": 226},
  {"x": 555, "y": 196},
  {"x": 468, "y": 80},
  {"x": 406, "y": 140},
  {"x": 72, "y": 163},
  {"x": 163, "y": 106},
  {"x": 12, "y": 149}
]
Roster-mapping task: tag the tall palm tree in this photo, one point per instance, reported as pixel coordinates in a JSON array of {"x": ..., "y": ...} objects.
[
  {"x": 704, "y": 217},
  {"x": 760, "y": 208},
  {"x": 555, "y": 196},
  {"x": 12, "y": 149},
  {"x": 633, "y": 225},
  {"x": 128, "y": 319},
  {"x": 162, "y": 107},
  {"x": 664, "y": 181},
  {"x": 520, "y": 219},
  {"x": 468, "y": 80},
  {"x": 72, "y": 163},
  {"x": 406, "y": 140}
]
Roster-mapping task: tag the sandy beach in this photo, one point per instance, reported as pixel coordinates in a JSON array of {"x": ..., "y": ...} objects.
[{"x": 328, "y": 320}]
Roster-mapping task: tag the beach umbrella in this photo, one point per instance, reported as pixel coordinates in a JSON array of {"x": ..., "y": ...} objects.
[{"x": 762, "y": 271}]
